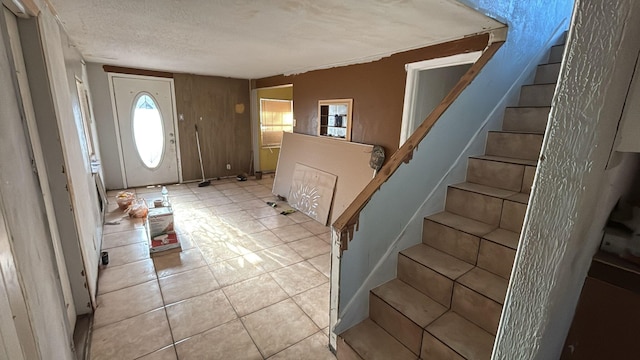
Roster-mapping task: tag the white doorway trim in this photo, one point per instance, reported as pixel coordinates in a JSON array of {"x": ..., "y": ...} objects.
[
  {"x": 117, "y": 125},
  {"x": 411, "y": 88},
  {"x": 255, "y": 123}
]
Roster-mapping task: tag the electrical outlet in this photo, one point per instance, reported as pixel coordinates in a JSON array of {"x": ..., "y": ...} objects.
[{"x": 228, "y": 166}]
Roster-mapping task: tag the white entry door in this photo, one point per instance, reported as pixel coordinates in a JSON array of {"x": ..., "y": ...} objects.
[{"x": 145, "y": 118}]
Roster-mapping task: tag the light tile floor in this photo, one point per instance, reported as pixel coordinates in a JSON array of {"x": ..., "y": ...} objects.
[{"x": 249, "y": 283}]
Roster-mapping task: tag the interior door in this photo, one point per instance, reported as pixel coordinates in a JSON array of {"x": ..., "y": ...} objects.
[{"x": 145, "y": 116}]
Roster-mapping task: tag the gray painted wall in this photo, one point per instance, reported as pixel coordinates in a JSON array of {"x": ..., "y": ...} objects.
[{"x": 103, "y": 114}]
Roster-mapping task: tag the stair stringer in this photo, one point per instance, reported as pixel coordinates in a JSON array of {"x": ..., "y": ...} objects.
[{"x": 383, "y": 268}]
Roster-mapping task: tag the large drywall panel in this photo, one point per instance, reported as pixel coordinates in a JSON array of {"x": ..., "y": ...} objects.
[
  {"x": 312, "y": 192},
  {"x": 347, "y": 160}
]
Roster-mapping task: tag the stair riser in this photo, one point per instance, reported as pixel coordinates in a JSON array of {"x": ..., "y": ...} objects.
[
  {"x": 345, "y": 352},
  {"x": 476, "y": 308},
  {"x": 512, "y": 216},
  {"x": 555, "y": 55},
  {"x": 547, "y": 74},
  {"x": 395, "y": 323},
  {"x": 514, "y": 145},
  {"x": 451, "y": 241},
  {"x": 526, "y": 119},
  {"x": 527, "y": 180},
  {"x": 475, "y": 206},
  {"x": 433, "y": 348},
  {"x": 425, "y": 280},
  {"x": 495, "y": 173},
  {"x": 536, "y": 95},
  {"x": 496, "y": 258}
]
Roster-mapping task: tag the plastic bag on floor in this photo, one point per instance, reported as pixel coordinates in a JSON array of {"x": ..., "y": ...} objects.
[
  {"x": 125, "y": 199},
  {"x": 138, "y": 209}
]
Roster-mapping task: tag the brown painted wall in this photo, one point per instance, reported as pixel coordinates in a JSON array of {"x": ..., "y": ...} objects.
[
  {"x": 377, "y": 90},
  {"x": 225, "y": 128}
]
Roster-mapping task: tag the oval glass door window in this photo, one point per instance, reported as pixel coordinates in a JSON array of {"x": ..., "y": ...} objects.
[{"x": 148, "y": 132}]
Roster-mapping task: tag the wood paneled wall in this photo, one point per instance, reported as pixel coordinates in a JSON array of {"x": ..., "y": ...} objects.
[
  {"x": 220, "y": 107},
  {"x": 377, "y": 90}
]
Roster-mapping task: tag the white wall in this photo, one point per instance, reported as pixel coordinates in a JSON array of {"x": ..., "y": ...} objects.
[
  {"x": 433, "y": 86},
  {"x": 441, "y": 157},
  {"x": 103, "y": 113},
  {"x": 29, "y": 274},
  {"x": 63, "y": 65},
  {"x": 573, "y": 190},
  {"x": 53, "y": 161}
]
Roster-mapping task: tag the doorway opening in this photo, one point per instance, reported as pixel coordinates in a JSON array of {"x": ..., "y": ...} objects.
[
  {"x": 428, "y": 82},
  {"x": 267, "y": 127}
]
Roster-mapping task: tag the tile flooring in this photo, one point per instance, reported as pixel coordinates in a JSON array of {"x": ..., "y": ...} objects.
[{"x": 249, "y": 283}]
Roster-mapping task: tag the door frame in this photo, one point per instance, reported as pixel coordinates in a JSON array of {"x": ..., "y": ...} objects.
[
  {"x": 116, "y": 123},
  {"x": 411, "y": 88},
  {"x": 16, "y": 58},
  {"x": 255, "y": 122}
]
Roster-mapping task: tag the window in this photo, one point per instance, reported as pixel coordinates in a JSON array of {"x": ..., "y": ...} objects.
[
  {"x": 148, "y": 133},
  {"x": 335, "y": 118},
  {"x": 276, "y": 117}
]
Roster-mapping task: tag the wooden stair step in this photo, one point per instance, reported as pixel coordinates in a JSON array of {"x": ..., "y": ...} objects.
[
  {"x": 556, "y": 53},
  {"x": 496, "y": 258},
  {"x": 517, "y": 145},
  {"x": 403, "y": 312},
  {"x": 504, "y": 237},
  {"x": 431, "y": 271},
  {"x": 485, "y": 283},
  {"x": 485, "y": 190},
  {"x": 437, "y": 260},
  {"x": 547, "y": 73},
  {"x": 452, "y": 335},
  {"x": 537, "y": 95},
  {"x": 522, "y": 198},
  {"x": 499, "y": 174},
  {"x": 462, "y": 223},
  {"x": 452, "y": 241},
  {"x": 526, "y": 118},
  {"x": 413, "y": 304},
  {"x": 371, "y": 342},
  {"x": 476, "y": 205},
  {"x": 505, "y": 159}
]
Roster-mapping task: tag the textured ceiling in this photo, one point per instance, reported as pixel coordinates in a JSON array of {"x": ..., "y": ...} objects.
[{"x": 254, "y": 39}]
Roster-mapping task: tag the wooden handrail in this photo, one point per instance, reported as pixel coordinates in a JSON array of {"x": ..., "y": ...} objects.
[{"x": 347, "y": 223}]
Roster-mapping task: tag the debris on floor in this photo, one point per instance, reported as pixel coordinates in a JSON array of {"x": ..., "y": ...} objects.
[{"x": 287, "y": 212}]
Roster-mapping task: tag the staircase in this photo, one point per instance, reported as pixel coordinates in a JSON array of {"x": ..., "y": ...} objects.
[{"x": 448, "y": 295}]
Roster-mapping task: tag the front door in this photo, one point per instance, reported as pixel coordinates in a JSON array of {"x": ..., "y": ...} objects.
[{"x": 145, "y": 114}]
